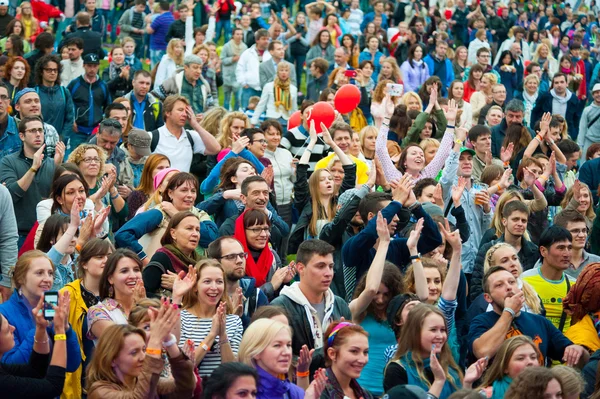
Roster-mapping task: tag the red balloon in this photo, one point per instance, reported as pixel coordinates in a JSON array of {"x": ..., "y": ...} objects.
[
  {"x": 347, "y": 98},
  {"x": 295, "y": 120},
  {"x": 321, "y": 112}
]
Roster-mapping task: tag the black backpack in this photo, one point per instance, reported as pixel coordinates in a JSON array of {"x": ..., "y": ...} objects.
[{"x": 198, "y": 166}]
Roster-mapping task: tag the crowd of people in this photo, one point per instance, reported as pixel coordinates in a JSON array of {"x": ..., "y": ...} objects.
[{"x": 176, "y": 220}]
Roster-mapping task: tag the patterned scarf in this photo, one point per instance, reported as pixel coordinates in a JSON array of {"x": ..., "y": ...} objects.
[
  {"x": 283, "y": 98},
  {"x": 335, "y": 391}
]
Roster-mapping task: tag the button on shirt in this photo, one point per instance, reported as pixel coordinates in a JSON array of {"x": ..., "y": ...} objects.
[{"x": 179, "y": 151}]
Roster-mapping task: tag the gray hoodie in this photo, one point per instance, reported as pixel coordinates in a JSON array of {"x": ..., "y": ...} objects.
[
  {"x": 589, "y": 134},
  {"x": 9, "y": 235}
]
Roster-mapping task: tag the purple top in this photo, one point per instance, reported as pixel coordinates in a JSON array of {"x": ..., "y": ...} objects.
[
  {"x": 431, "y": 170},
  {"x": 270, "y": 387},
  {"x": 161, "y": 25},
  {"x": 413, "y": 78}
]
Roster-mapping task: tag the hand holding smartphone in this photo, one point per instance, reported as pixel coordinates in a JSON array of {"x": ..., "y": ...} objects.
[{"x": 50, "y": 301}]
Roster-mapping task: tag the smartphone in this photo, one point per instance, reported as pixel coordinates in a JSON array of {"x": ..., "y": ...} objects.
[
  {"x": 350, "y": 73},
  {"x": 395, "y": 89},
  {"x": 50, "y": 300}
]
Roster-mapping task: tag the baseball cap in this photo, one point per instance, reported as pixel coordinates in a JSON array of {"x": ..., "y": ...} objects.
[
  {"x": 396, "y": 304},
  {"x": 596, "y": 87},
  {"x": 4, "y": 3},
  {"x": 405, "y": 392},
  {"x": 432, "y": 209},
  {"x": 466, "y": 149},
  {"x": 90, "y": 58},
  {"x": 140, "y": 140}
]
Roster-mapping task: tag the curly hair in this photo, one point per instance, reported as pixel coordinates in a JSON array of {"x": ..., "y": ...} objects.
[
  {"x": 8, "y": 69},
  {"x": 42, "y": 63},
  {"x": 224, "y": 137},
  {"x": 78, "y": 153},
  {"x": 532, "y": 383}
]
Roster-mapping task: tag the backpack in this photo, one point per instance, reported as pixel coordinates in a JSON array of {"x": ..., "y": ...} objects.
[{"x": 198, "y": 166}]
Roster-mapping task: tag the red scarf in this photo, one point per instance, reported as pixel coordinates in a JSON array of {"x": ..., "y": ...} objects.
[{"x": 259, "y": 270}]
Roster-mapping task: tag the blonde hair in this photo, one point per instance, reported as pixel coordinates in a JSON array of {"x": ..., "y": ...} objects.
[
  {"x": 397, "y": 73},
  {"x": 426, "y": 143},
  {"x": 319, "y": 212},
  {"x": 409, "y": 276},
  {"x": 212, "y": 120},
  {"x": 78, "y": 153},
  {"x": 379, "y": 92},
  {"x": 406, "y": 97},
  {"x": 502, "y": 358},
  {"x": 589, "y": 214},
  {"x": 496, "y": 223},
  {"x": 532, "y": 300},
  {"x": 536, "y": 53},
  {"x": 258, "y": 337},
  {"x": 171, "y": 51},
  {"x": 491, "y": 77},
  {"x": 19, "y": 272},
  {"x": 224, "y": 137}
]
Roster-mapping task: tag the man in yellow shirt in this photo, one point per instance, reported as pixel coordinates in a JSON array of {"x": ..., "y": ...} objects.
[
  {"x": 550, "y": 280},
  {"x": 341, "y": 133}
]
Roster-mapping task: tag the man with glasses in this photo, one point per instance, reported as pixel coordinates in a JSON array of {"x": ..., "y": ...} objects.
[
  {"x": 9, "y": 138},
  {"x": 108, "y": 138},
  {"x": 27, "y": 103},
  {"x": 498, "y": 98},
  {"x": 55, "y": 100},
  {"x": 483, "y": 59},
  {"x": 230, "y": 253},
  {"x": 90, "y": 97},
  {"x": 576, "y": 223},
  {"x": 28, "y": 174}
]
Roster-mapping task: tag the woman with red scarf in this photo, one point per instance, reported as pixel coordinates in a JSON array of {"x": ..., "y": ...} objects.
[{"x": 253, "y": 229}]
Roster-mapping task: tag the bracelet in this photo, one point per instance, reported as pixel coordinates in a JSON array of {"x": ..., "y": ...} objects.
[
  {"x": 538, "y": 138},
  {"x": 78, "y": 248},
  {"x": 170, "y": 342},
  {"x": 60, "y": 337},
  {"x": 33, "y": 170},
  {"x": 512, "y": 312},
  {"x": 40, "y": 342},
  {"x": 499, "y": 187},
  {"x": 301, "y": 374},
  {"x": 458, "y": 141},
  {"x": 115, "y": 197},
  {"x": 203, "y": 346},
  {"x": 224, "y": 342},
  {"x": 150, "y": 351},
  {"x": 550, "y": 142},
  {"x": 308, "y": 150},
  {"x": 450, "y": 127},
  {"x": 506, "y": 164},
  {"x": 417, "y": 256}
]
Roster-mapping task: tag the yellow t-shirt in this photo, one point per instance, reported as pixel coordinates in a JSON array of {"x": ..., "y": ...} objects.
[
  {"x": 362, "y": 170},
  {"x": 551, "y": 293}
]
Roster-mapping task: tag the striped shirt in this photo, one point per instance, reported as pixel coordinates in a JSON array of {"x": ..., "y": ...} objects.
[
  {"x": 197, "y": 330},
  {"x": 296, "y": 140}
]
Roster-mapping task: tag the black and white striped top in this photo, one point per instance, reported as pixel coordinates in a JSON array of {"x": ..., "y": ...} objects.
[
  {"x": 296, "y": 140},
  {"x": 197, "y": 330}
]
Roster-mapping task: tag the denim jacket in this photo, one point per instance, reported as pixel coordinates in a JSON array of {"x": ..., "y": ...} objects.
[{"x": 10, "y": 141}]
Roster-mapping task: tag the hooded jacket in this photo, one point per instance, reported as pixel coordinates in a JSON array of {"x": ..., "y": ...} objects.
[
  {"x": 57, "y": 108},
  {"x": 589, "y": 133},
  {"x": 572, "y": 114},
  {"x": 89, "y": 101},
  {"x": 307, "y": 329},
  {"x": 153, "y": 111}
]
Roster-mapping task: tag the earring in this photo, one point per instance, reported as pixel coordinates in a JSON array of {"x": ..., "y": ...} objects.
[{"x": 111, "y": 291}]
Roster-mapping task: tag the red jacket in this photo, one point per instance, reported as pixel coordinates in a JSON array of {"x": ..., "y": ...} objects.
[{"x": 43, "y": 12}]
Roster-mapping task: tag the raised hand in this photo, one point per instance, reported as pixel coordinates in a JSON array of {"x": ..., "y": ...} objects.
[
  {"x": 268, "y": 174},
  {"x": 388, "y": 105},
  {"x": 402, "y": 188},
  {"x": 61, "y": 313},
  {"x": 415, "y": 234},
  {"x": 240, "y": 144},
  {"x": 528, "y": 177},
  {"x": 452, "y": 111},
  {"x": 183, "y": 282},
  {"x": 161, "y": 323},
  {"x": 433, "y": 94},
  {"x": 488, "y": 158},
  {"x": 436, "y": 368},
  {"x": 237, "y": 302},
  {"x": 515, "y": 302},
  {"x": 506, "y": 153},
  {"x": 452, "y": 237},
  {"x": 505, "y": 179},
  {"x": 291, "y": 272},
  {"x": 38, "y": 314},
  {"x": 460, "y": 132},
  {"x": 312, "y": 132},
  {"x": 38, "y": 157},
  {"x": 475, "y": 371},
  {"x": 167, "y": 279},
  {"x": 76, "y": 214},
  {"x": 139, "y": 291},
  {"x": 316, "y": 388},
  {"x": 382, "y": 228},
  {"x": 577, "y": 190},
  {"x": 304, "y": 359},
  {"x": 457, "y": 191},
  {"x": 99, "y": 220},
  {"x": 438, "y": 196},
  {"x": 327, "y": 136},
  {"x": 59, "y": 153},
  {"x": 215, "y": 328},
  {"x": 86, "y": 229},
  {"x": 545, "y": 124}
]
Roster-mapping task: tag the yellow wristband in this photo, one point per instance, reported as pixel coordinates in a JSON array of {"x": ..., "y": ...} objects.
[
  {"x": 151, "y": 351},
  {"x": 60, "y": 337}
]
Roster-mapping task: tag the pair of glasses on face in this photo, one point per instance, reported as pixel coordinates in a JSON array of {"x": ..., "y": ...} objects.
[
  {"x": 91, "y": 160},
  {"x": 258, "y": 230},
  {"x": 35, "y": 130},
  {"x": 233, "y": 257}
]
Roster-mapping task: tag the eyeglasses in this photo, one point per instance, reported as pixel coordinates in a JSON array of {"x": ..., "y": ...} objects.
[
  {"x": 263, "y": 141},
  {"x": 577, "y": 232},
  {"x": 258, "y": 230},
  {"x": 233, "y": 257},
  {"x": 51, "y": 70},
  {"x": 4, "y": 98},
  {"x": 38, "y": 130},
  {"x": 91, "y": 159},
  {"x": 484, "y": 56}
]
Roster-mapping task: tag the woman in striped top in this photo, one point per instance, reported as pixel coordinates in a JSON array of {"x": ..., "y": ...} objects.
[{"x": 206, "y": 322}]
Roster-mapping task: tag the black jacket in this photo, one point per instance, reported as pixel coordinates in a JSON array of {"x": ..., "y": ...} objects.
[
  {"x": 176, "y": 31},
  {"x": 92, "y": 41},
  {"x": 572, "y": 117},
  {"x": 528, "y": 255}
]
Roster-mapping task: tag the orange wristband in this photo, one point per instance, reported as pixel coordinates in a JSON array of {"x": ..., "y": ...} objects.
[
  {"x": 301, "y": 374},
  {"x": 150, "y": 351}
]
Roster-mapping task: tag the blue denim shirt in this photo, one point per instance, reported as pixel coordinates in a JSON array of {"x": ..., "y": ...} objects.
[{"x": 10, "y": 141}]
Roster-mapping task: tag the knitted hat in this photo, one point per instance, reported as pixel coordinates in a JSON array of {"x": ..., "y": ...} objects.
[{"x": 160, "y": 176}]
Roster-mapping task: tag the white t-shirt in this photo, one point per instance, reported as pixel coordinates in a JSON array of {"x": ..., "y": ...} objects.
[{"x": 179, "y": 151}]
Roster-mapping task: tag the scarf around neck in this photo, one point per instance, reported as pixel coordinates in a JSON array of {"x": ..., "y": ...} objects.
[
  {"x": 112, "y": 69},
  {"x": 335, "y": 391},
  {"x": 259, "y": 269},
  {"x": 283, "y": 98},
  {"x": 179, "y": 260},
  {"x": 499, "y": 387}
]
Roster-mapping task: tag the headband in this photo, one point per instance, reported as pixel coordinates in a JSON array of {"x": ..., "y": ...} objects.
[{"x": 335, "y": 330}]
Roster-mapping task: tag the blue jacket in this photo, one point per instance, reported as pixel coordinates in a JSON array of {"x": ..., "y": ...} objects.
[
  {"x": 433, "y": 70},
  {"x": 358, "y": 251},
  {"x": 572, "y": 117},
  {"x": 212, "y": 180},
  {"x": 57, "y": 108},
  {"x": 253, "y": 299},
  {"x": 10, "y": 141},
  {"x": 89, "y": 102},
  {"x": 17, "y": 312},
  {"x": 146, "y": 222},
  {"x": 220, "y": 208},
  {"x": 366, "y": 55},
  {"x": 589, "y": 173}
]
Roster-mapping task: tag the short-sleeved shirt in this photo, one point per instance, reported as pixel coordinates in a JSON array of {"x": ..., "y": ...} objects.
[
  {"x": 549, "y": 340},
  {"x": 160, "y": 25},
  {"x": 198, "y": 329},
  {"x": 551, "y": 292},
  {"x": 179, "y": 151},
  {"x": 107, "y": 310}
]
